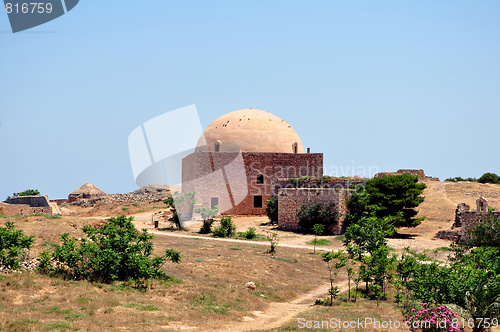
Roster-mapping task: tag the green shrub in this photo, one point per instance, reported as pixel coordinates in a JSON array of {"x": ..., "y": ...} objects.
[
  {"x": 116, "y": 251},
  {"x": 273, "y": 238},
  {"x": 226, "y": 228},
  {"x": 489, "y": 178},
  {"x": 272, "y": 209},
  {"x": 13, "y": 244},
  {"x": 179, "y": 202},
  {"x": 29, "y": 192},
  {"x": 249, "y": 234},
  {"x": 319, "y": 213},
  {"x": 207, "y": 213},
  {"x": 206, "y": 228}
]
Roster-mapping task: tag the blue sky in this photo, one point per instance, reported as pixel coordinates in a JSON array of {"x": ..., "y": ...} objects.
[{"x": 385, "y": 84}]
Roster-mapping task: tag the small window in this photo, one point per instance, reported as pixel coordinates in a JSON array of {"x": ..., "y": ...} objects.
[
  {"x": 214, "y": 201},
  {"x": 217, "y": 147},
  {"x": 260, "y": 179},
  {"x": 257, "y": 201},
  {"x": 295, "y": 147}
]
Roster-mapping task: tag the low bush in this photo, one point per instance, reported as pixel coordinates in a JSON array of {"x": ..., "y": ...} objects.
[
  {"x": 249, "y": 234},
  {"x": 13, "y": 243},
  {"x": 116, "y": 251},
  {"x": 206, "y": 228},
  {"x": 226, "y": 228}
]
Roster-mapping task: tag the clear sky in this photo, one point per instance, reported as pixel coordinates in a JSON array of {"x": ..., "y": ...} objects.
[{"x": 385, "y": 84}]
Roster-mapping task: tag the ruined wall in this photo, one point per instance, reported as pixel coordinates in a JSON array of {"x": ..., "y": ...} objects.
[
  {"x": 416, "y": 172},
  {"x": 33, "y": 201},
  {"x": 470, "y": 219},
  {"x": 291, "y": 199},
  {"x": 24, "y": 209},
  {"x": 232, "y": 177}
]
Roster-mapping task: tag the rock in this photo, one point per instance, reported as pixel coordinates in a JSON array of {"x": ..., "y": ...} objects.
[{"x": 250, "y": 285}]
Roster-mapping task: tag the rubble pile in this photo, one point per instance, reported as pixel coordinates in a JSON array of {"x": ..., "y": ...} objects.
[{"x": 151, "y": 193}]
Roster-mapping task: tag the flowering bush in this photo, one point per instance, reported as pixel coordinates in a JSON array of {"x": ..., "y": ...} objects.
[{"x": 433, "y": 318}]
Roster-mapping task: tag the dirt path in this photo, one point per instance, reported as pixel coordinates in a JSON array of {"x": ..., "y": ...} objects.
[
  {"x": 279, "y": 314},
  {"x": 260, "y": 243}
]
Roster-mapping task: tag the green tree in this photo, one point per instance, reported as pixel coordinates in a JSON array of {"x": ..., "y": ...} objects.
[
  {"x": 179, "y": 202},
  {"x": 489, "y": 178},
  {"x": 272, "y": 209},
  {"x": 273, "y": 239},
  {"x": 115, "y": 251},
  {"x": 28, "y": 192},
  {"x": 207, "y": 213},
  {"x": 318, "y": 229},
  {"x": 487, "y": 232},
  {"x": 318, "y": 213},
  {"x": 470, "y": 281},
  {"x": 396, "y": 197},
  {"x": 12, "y": 244},
  {"x": 366, "y": 236},
  {"x": 226, "y": 228},
  {"x": 328, "y": 257}
]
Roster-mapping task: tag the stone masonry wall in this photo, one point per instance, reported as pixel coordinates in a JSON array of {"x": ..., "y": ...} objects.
[
  {"x": 232, "y": 177},
  {"x": 291, "y": 199},
  {"x": 24, "y": 209},
  {"x": 470, "y": 219},
  {"x": 417, "y": 172},
  {"x": 33, "y": 201}
]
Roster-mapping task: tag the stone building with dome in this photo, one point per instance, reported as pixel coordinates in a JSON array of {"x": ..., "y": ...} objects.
[{"x": 240, "y": 157}]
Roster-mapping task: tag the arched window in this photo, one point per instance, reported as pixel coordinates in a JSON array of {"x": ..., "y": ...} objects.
[
  {"x": 295, "y": 147},
  {"x": 260, "y": 179}
]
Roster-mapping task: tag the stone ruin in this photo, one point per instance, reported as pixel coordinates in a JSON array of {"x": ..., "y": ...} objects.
[
  {"x": 293, "y": 194},
  {"x": 467, "y": 220},
  {"x": 28, "y": 205},
  {"x": 416, "y": 172},
  {"x": 151, "y": 193}
]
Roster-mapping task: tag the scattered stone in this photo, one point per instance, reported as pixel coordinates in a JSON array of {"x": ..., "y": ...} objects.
[
  {"x": 151, "y": 193},
  {"x": 250, "y": 285}
]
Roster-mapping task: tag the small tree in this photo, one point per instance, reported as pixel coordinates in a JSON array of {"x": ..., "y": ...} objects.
[
  {"x": 318, "y": 229},
  {"x": 487, "y": 232},
  {"x": 207, "y": 213},
  {"x": 115, "y": 251},
  {"x": 397, "y": 197},
  {"x": 226, "y": 228},
  {"x": 179, "y": 202},
  {"x": 489, "y": 178},
  {"x": 206, "y": 228},
  {"x": 342, "y": 260},
  {"x": 273, "y": 239},
  {"x": 318, "y": 213},
  {"x": 28, "y": 192},
  {"x": 272, "y": 209},
  {"x": 12, "y": 244}
]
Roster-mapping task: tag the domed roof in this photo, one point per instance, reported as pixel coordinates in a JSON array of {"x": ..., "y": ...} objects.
[{"x": 253, "y": 131}]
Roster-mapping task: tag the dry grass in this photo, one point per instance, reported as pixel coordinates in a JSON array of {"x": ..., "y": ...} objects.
[
  {"x": 208, "y": 289},
  {"x": 210, "y": 292}
]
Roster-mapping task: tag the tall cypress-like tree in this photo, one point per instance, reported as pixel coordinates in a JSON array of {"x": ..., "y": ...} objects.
[{"x": 393, "y": 197}]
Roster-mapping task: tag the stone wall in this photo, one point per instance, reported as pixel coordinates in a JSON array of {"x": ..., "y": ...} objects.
[
  {"x": 470, "y": 219},
  {"x": 448, "y": 235},
  {"x": 416, "y": 172},
  {"x": 22, "y": 209},
  {"x": 33, "y": 201},
  {"x": 291, "y": 199},
  {"x": 232, "y": 177},
  {"x": 315, "y": 182}
]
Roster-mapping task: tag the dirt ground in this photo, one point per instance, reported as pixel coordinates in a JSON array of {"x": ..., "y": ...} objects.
[{"x": 208, "y": 290}]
